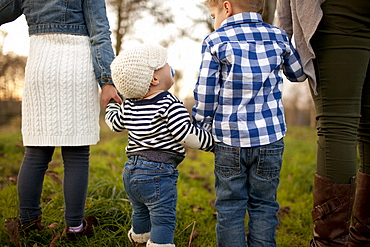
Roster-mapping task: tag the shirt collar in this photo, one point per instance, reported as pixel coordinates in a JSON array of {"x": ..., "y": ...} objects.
[{"x": 242, "y": 18}]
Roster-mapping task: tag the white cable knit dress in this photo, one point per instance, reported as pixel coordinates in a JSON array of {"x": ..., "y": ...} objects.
[{"x": 60, "y": 105}]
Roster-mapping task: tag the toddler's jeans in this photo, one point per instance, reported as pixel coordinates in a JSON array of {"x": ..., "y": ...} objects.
[{"x": 152, "y": 191}]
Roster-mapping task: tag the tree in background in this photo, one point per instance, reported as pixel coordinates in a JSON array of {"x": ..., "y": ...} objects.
[
  {"x": 206, "y": 21},
  {"x": 12, "y": 67},
  {"x": 127, "y": 12}
]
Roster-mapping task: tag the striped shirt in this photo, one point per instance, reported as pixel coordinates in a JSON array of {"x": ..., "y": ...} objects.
[
  {"x": 239, "y": 89},
  {"x": 161, "y": 123}
]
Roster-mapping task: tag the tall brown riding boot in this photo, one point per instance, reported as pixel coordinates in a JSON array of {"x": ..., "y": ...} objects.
[
  {"x": 332, "y": 212},
  {"x": 359, "y": 232}
]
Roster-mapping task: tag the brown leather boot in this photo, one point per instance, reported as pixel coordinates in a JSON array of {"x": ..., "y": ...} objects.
[
  {"x": 359, "y": 232},
  {"x": 89, "y": 223},
  {"x": 15, "y": 229},
  {"x": 33, "y": 225},
  {"x": 332, "y": 212}
]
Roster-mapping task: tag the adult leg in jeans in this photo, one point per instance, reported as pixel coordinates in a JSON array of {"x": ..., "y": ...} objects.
[
  {"x": 364, "y": 127},
  {"x": 76, "y": 175},
  {"x": 338, "y": 113},
  {"x": 341, "y": 64},
  {"x": 359, "y": 233},
  {"x": 30, "y": 181}
]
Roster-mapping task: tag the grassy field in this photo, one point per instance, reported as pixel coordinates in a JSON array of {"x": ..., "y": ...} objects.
[{"x": 195, "y": 211}]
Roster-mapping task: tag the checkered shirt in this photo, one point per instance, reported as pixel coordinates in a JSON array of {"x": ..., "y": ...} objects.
[{"x": 238, "y": 94}]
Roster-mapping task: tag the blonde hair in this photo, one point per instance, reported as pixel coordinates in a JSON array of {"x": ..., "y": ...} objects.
[{"x": 245, "y": 5}]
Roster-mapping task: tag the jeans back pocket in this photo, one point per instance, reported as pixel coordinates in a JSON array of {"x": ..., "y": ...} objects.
[
  {"x": 227, "y": 160},
  {"x": 148, "y": 190},
  {"x": 270, "y": 161}
]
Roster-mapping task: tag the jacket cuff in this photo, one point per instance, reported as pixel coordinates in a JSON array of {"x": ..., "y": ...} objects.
[{"x": 106, "y": 80}]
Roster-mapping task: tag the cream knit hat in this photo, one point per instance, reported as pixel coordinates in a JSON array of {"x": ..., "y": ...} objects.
[{"x": 133, "y": 69}]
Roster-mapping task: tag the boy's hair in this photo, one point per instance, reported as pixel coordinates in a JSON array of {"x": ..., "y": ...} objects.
[{"x": 245, "y": 5}]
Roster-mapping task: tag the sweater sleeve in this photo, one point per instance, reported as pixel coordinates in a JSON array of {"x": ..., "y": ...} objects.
[
  {"x": 284, "y": 16},
  {"x": 114, "y": 117},
  {"x": 186, "y": 133}
]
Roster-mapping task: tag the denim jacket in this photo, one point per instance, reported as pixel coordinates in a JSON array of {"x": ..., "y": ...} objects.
[{"x": 79, "y": 17}]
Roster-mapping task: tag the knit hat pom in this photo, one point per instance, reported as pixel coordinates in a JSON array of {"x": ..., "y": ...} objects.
[{"x": 133, "y": 69}]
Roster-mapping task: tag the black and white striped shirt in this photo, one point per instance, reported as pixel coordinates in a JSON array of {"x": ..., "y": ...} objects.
[{"x": 160, "y": 123}]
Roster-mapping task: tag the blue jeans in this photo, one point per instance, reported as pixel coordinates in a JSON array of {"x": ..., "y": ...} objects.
[
  {"x": 151, "y": 189},
  {"x": 31, "y": 178},
  {"x": 247, "y": 179}
]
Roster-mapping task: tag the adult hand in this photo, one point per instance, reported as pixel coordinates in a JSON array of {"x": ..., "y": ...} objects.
[{"x": 110, "y": 92}]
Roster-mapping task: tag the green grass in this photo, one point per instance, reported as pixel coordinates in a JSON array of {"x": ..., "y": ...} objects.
[{"x": 195, "y": 210}]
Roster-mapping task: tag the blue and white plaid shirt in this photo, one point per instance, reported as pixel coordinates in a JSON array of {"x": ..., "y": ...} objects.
[{"x": 239, "y": 90}]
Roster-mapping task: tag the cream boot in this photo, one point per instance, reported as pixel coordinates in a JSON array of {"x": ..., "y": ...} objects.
[{"x": 138, "y": 240}]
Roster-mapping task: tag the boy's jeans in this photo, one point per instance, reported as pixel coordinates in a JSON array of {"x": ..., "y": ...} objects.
[
  {"x": 247, "y": 179},
  {"x": 31, "y": 178},
  {"x": 151, "y": 188}
]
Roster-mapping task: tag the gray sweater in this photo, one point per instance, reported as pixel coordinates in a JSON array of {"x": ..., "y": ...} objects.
[{"x": 301, "y": 18}]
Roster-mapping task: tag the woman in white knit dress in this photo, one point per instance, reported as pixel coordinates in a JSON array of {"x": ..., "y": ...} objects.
[{"x": 70, "y": 54}]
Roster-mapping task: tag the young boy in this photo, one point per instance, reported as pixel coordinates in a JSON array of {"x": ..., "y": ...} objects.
[
  {"x": 238, "y": 98},
  {"x": 158, "y": 127}
]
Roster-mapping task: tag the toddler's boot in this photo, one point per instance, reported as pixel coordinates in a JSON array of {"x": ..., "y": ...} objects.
[{"x": 138, "y": 240}]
